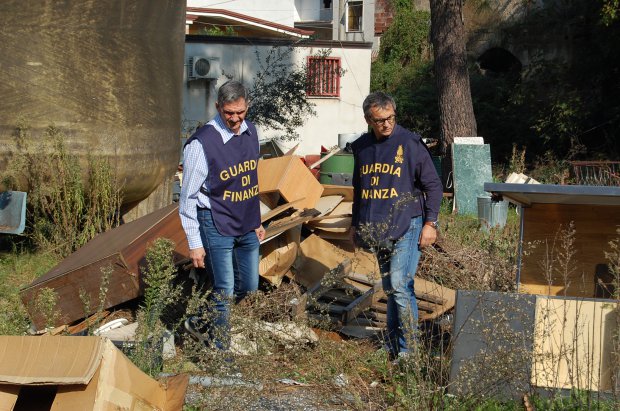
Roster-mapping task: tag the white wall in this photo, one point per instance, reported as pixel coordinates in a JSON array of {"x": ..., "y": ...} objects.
[
  {"x": 277, "y": 11},
  {"x": 334, "y": 115},
  {"x": 307, "y": 10}
]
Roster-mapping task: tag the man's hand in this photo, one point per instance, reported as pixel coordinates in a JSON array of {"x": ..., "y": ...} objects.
[
  {"x": 428, "y": 236},
  {"x": 198, "y": 257},
  {"x": 260, "y": 233}
]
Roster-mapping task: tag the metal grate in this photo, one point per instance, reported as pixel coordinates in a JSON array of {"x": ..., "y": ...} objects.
[
  {"x": 323, "y": 76},
  {"x": 596, "y": 173}
]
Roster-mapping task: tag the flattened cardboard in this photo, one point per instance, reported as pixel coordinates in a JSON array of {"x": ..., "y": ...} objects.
[
  {"x": 86, "y": 373},
  {"x": 318, "y": 256},
  {"x": 48, "y": 360}
]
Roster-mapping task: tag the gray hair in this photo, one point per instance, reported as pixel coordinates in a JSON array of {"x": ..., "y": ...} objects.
[
  {"x": 231, "y": 91},
  {"x": 377, "y": 99}
]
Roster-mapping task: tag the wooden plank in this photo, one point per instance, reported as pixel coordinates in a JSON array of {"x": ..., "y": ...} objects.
[
  {"x": 328, "y": 155},
  {"x": 284, "y": 224},
  {"x": 595, "y": 226},
  {"x": 361, "y": 304},
  {"x": 278, "y": 255},
  {"x": 168, "y": 227},
  {"x": 326, "y": 204},
  {"x": 279, "y": 210},
  {"x": 345, "y": 191},
  {"x": 89, "y": 322}
]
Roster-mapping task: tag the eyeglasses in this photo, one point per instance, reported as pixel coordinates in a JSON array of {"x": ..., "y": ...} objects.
[{"x": 380, "y": 121}]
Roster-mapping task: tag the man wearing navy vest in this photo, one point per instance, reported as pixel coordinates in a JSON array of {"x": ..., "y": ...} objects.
[
  {"x": 397, "y": 194},
  {"x": 220, "y": 212}
]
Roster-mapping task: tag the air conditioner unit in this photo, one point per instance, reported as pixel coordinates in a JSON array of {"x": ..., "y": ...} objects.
[{"x": 201, "y": 67}]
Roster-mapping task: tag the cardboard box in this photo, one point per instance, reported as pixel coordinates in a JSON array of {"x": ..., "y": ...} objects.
[
  {"x": 79, "y": 373},
  {"x": 278, "y": 255},
  {"x": 289, "y": 177}
]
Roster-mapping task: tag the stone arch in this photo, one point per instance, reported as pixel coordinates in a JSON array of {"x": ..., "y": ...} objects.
[{"x": 499, "y": 60}]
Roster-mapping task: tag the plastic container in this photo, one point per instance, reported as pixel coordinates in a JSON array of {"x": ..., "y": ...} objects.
[
  {"x": 492, "y": 213},
  {"x": 338, "y": 169}
]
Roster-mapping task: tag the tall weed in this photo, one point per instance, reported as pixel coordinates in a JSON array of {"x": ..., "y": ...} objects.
[
  {"x": 159, "y": 293},
  {"x": 68, "y": 205}
]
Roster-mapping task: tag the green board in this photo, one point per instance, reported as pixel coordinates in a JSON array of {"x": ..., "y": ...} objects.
[{"x": 471, "y": 167}]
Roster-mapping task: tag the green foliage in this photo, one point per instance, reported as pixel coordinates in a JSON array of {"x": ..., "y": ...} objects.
[
  {"x": 610, "y": 11},
  {"x": 574, "y": 401},
  {"x": 404, "y": 69},
  {"x": 217, "y": 31},
  {"x": 564, "y": 102},
  {"x": 613, "y": 260},
  {"x": 17, "y": 269},
  {"x": 278, "y": 99},
  {"x": 159, "y": 293},
  {"x": 45, "y": 305},
  {"x": 67, "y": 205}
]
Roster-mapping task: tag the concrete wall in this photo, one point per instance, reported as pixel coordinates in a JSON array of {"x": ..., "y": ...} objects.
[
  {"x": 238, "y": 61},
  {"x": 368, "y": 23},
  {"x": 308, "y": 10}
]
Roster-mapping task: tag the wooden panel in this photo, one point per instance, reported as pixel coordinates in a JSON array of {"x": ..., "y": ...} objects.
[
  {"x": 291, "y": 178},
  {"x": 169, "y": 227},
  {"x": 345, "y": 191},
  {"x": 595, "y": 227},
  {"x": 472, "y": 168},
  {"x": 573, "y": 344},
  {"x": 123, "y": 286},
  {"x": 117, "y": 239}
]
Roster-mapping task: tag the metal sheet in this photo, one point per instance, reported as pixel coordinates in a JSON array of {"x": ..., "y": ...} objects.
[{"x": 527, "y": 194}]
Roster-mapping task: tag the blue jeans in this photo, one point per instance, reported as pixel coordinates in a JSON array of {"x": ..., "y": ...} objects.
[
  {"x": 398, "y": 267},
  {"x": 233, "y": 264}
]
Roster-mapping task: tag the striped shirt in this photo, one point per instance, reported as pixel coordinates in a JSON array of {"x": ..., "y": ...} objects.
[{"x": 195, "y": 172}]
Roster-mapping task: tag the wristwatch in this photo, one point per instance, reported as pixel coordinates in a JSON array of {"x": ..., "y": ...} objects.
[{"x": 434, "y": 224}]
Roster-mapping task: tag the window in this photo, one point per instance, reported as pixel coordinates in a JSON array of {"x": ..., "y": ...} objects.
[
  {"x": 354, "y": 15},
  {"x": 323, "y": 76}
]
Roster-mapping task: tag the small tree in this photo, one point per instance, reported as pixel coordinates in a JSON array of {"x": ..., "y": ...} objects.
[{"x": 278, "y": 98}]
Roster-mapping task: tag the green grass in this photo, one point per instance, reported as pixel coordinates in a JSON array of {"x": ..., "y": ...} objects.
[{"x": 18, "y": 269}]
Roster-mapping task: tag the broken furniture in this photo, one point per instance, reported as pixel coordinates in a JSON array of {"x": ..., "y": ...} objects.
[
  {"x": 119, "y": 252},
  {"x": 287, "y": 177},
  {"x": 79, "y": 373},
  {"x": 546, "y": 209},
  {"x": 529, "y": 343},
  {"x": 345, "y": 286}
]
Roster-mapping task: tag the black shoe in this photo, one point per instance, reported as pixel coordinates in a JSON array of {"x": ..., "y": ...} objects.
[{"x": 194, "y": 330}]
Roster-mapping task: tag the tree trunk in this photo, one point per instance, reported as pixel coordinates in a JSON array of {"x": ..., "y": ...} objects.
[{"x": 456, "y": 112}]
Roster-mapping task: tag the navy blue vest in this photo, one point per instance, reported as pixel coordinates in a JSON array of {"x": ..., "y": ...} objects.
[
  {"x": 233, "y": 179},
  {"x": 387, "y": 196}
]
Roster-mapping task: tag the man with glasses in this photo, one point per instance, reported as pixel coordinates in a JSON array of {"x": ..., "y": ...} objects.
[
  {"x": 397, "y": 194},
  {"x": 220, "y": 212}
]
